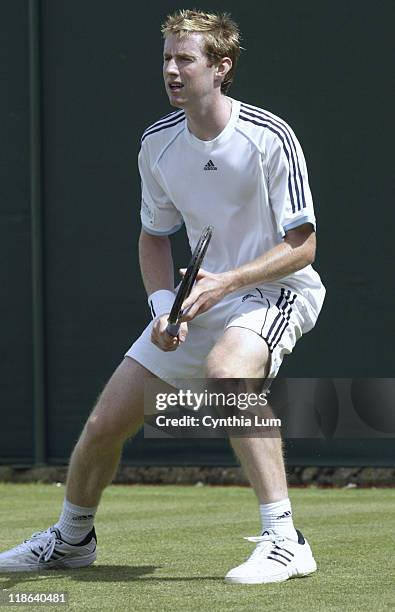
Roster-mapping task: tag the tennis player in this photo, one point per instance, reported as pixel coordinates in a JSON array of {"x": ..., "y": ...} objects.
[{"x": 221, "y": 162}]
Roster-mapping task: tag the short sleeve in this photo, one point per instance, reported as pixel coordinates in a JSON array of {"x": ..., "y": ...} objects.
[
  {"x": 158, "y": 214},
  {"x": 289, "y": 191}
]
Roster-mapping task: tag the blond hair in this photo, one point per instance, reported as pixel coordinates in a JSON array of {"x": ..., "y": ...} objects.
[{"x": 221, "y": 36}]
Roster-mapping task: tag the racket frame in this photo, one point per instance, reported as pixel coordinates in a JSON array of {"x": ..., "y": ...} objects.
[{"x": 188, "y": 280}]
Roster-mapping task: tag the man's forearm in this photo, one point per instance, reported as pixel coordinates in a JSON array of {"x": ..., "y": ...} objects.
[
  {"x": 156, "y": 262},
  {"x": 279, "y": 262}
]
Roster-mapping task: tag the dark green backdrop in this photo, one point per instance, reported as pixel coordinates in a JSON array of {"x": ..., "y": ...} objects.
[{"x": 325, "y": 66}]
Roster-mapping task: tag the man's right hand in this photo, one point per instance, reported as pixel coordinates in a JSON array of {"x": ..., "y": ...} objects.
[{"x": 162, "y": 339}]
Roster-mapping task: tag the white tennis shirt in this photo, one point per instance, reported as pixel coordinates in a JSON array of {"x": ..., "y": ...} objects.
[{"x": 250, "y": 183}]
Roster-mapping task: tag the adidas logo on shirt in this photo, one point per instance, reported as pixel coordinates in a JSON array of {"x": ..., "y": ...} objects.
[{"x": 210, "y": 165}]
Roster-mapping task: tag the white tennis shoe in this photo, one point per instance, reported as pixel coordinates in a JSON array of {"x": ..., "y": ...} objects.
[
  {"x": 47, "y": 550},
  {"x": 274, "y": 559}
]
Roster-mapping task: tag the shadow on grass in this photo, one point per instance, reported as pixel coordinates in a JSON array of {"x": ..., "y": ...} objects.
[{"x": 97, "y": 573}]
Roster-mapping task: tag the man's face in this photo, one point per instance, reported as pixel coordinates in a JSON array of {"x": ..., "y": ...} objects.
[{"x": 189, "y": 77}]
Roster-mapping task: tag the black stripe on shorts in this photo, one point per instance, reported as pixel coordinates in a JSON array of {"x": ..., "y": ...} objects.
[{"x": 281, "y": 321}]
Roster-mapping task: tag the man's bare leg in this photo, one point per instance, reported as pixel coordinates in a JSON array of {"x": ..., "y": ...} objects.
[
  {"x": 281, "y": 552},
  {"x": 117, "y": 416},
  {"x": 241, "y": 353},
  {"x": 71, "y": 542},
  {"x": 263, "y": 463}
]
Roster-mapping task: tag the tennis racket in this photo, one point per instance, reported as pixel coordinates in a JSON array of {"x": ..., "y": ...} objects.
[{"x": 187, "y": 282}]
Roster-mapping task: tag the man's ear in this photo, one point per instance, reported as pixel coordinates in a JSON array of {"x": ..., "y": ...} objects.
[{"x": 223, "y": 67}]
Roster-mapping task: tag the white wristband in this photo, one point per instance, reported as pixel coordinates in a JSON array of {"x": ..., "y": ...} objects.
[{"x": 160, "y": 302}]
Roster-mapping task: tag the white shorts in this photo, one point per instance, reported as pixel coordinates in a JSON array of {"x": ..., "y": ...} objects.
[{"x": 279, "y": 317}]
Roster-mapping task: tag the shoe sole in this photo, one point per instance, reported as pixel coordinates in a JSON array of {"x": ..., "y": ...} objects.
[
  {"x": 297, "y": 573},
  {"x": 55, "y": 565}
]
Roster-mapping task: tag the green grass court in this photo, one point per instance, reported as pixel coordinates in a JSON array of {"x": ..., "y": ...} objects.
[{"x": 168, "y": 548}]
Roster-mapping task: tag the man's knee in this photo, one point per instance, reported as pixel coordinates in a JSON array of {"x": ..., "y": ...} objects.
[
  {"x": 219, "y": 369},
  {"x": 119, "y": 411},
  {"x": 226, "y": 371},
  {"x": 225, "y": 376},
  {"x": 106, "y": 427},
  {"x": 239, "y": 353},
  {"x": 100, "y": 431}
]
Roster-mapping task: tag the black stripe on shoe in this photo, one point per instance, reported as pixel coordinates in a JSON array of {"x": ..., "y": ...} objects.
[
  {"x": 54, "y": 557},
  {"x": 285, "y": 550},
  {"x": 274, "y": 552},
  {"x": 301, "y": 539},
  {"x": 91, "y": 535},
  {"x": 278, "y": 560}
]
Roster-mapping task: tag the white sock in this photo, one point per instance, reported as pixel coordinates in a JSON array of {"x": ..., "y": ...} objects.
[
  {"x": 278, "y": 516},
  {"x": 75, "y": 522}
]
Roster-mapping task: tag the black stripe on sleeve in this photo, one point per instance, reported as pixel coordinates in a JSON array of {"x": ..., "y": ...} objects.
[
  {"x": 286, "y": 130},
  {"x": 298, "y": 200},
  {"x": 163, "y": 127}
]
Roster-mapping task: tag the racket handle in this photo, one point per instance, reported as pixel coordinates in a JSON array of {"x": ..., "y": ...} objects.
[{"x": 173, "y": 329}]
